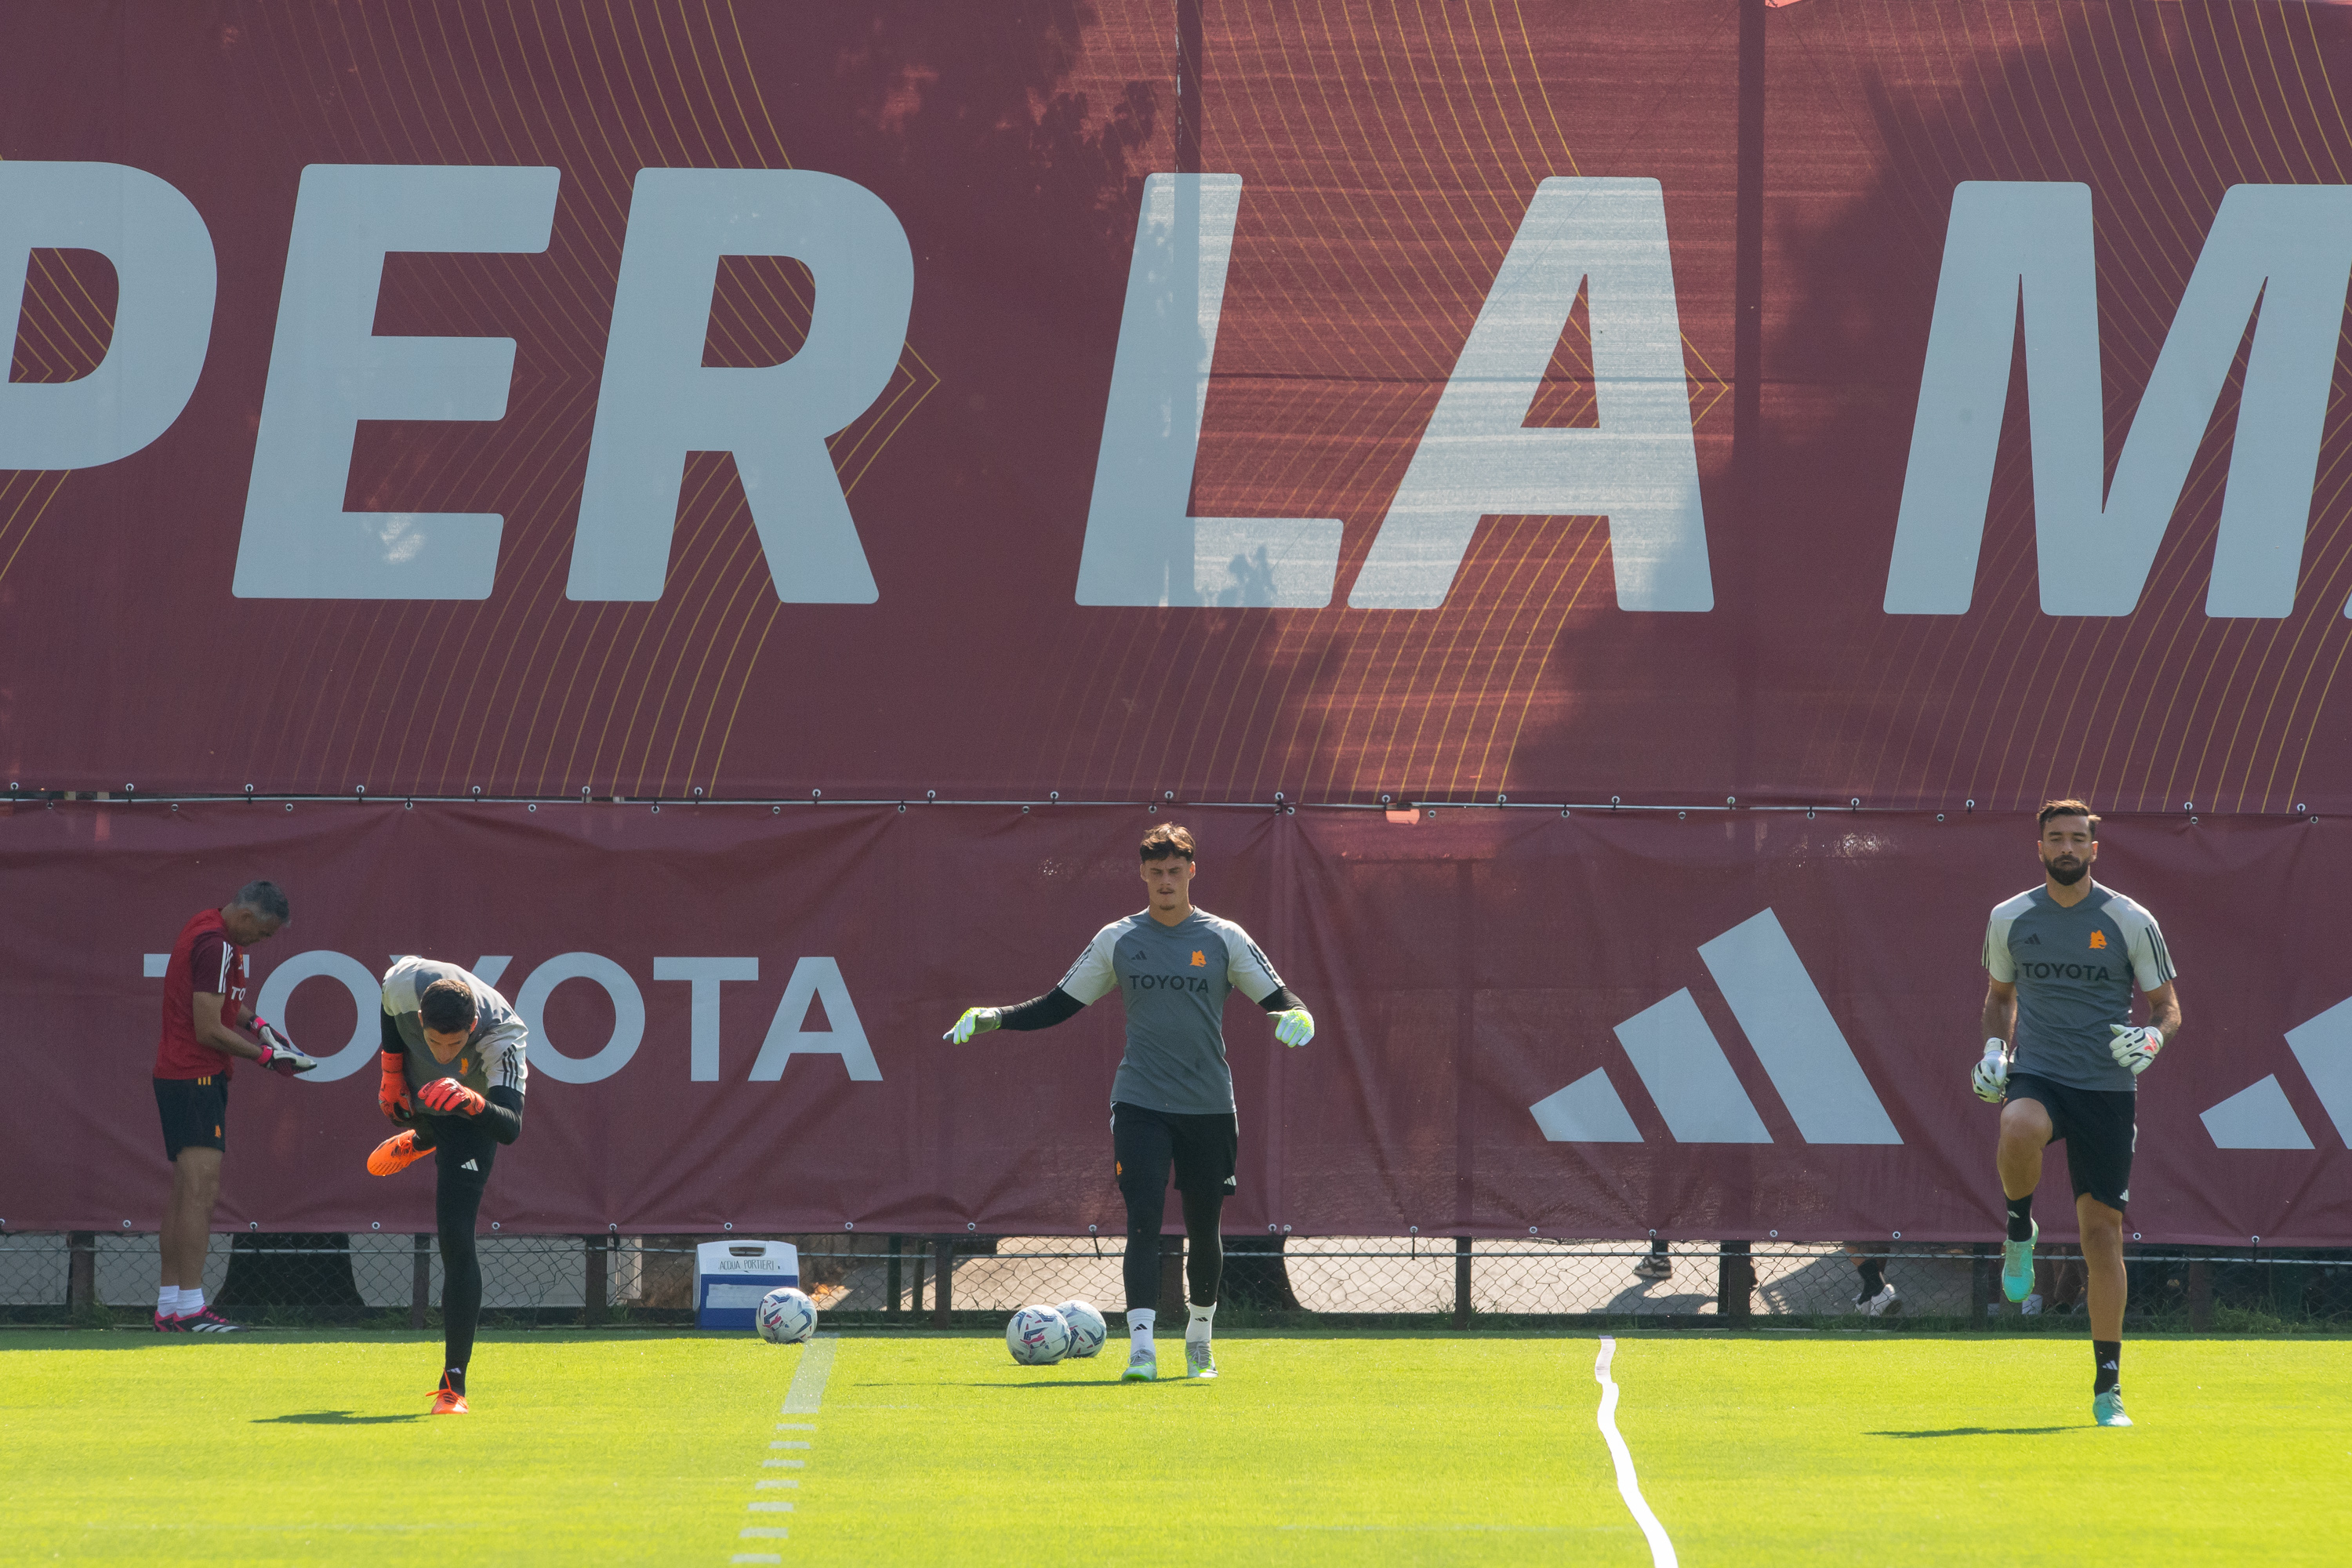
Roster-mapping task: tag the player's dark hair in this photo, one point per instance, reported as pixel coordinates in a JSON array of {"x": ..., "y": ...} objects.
[
  {"x": 1168, "y": 839},
  {"x": 2069, "y": 808},
  {"x": 447, "y": 1006},
  {"x": 266, "y": 899}
]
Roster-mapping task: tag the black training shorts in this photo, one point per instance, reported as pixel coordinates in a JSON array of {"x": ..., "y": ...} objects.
[
  {"x": 2100, "y": 1129},
  {"x": 462, "y": 1149},
  {"x": 194, "y": 1113},
  {"x": 1147, "y": 1145}
]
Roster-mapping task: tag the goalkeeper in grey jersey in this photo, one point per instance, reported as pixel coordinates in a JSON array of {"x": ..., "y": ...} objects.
[
  {"x": 454, "y": 1075},
  {"x": 1172, "y": 1102}
]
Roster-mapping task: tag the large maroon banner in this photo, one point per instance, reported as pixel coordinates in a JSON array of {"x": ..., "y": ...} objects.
[
  {"x": 1597, "y": 1024},
  {"x": 887, "y": 398}
]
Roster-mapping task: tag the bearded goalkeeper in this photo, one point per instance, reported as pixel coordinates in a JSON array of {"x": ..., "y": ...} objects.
[
  {"x": 2061, "y": 1046},
  {"x": 1171, "y": 1108},
  {"x": 453, "y": 1077}
]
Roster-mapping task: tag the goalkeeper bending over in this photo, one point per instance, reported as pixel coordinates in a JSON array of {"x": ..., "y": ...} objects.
[
  {"x": 453, "y": 1075},
  {"x": 1172, "y": 1103}
]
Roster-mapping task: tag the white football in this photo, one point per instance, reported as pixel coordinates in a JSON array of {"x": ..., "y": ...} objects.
[
  {"x": 785, "y": 1317},
  {"x": 1087, "y": 1328},
  {"x": 1038, "y": 1336}
]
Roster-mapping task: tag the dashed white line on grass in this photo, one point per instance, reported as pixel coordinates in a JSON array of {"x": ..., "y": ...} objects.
[
  {"x": 1629, "y": 1486},
  {"x": 807, "y": 1391},
  {"x": 803, "y": 1398}
]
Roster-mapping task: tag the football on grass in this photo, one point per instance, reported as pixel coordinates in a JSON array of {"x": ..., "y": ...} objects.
[
  {"x": 785, "y": 1316},
  {"x": 1038, "y": 1336},
  {"x": 1087, "y": 1328}
]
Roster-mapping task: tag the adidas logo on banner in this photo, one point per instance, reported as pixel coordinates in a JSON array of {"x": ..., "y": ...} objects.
[
  {"x": 469, "y": 1165},
  {"x": 1685, "y": 1069},
  {"x": 2261, "y": 1117}
]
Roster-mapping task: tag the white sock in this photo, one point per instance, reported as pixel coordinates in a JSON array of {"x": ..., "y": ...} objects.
[
  {"x": 192, "y": 1302},
  {"x": 1138, "y": 1328},
  {"x": 167, "y": 1301},
  {"x": 1197, "y": 1330}
]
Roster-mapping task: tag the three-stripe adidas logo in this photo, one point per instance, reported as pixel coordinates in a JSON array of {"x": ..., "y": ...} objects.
[
  {"x": 2259, "y": 1116},
  {"x": 469, "y": 1165},
  {"x": 1687, "y": 1073}
]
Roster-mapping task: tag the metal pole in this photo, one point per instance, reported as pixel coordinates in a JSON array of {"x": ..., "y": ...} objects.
[
  {"x": 943, "y": 1289},
  {"x": 591, "y": 1311},
  {"x": 1462, "y": 1282},
  {"x": 81, "y": 1270},
  {"x": 897, "y": 1248},
  {"x": 1172, "y": 1279},
  {"x": 420, "y": 1280},
  {"x": 1735, "y": 1280}
]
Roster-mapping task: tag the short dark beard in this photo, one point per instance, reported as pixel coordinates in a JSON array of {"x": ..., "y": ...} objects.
[{"x": 2066, "y": 879}]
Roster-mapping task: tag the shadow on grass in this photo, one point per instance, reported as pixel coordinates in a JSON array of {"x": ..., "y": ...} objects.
[
  {"x": 1982, "y": 1432},
  {"x": 1027, "y": 1382},
  {"x": 334, "y": 1418}
]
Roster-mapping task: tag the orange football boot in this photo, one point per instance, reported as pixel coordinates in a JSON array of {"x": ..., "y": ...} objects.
[
  {"x": 395, "y": 1154},
  {"x": 447, "y": 1401}
]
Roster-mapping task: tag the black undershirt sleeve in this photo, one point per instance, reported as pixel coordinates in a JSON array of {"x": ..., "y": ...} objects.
[
  {"x": 503, "y": 1114},
  {"x": 1040, "y": 1012},
  {"x": 1280, "y": 1000},
  {"x": 391, "y": 1037}
]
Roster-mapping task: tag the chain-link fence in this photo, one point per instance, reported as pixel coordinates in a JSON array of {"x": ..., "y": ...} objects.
[{"x": 389, "y": 1280}]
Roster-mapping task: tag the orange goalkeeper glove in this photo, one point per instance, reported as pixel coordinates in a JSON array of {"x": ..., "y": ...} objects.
[
  {"x": 391, "y": 1094},
  {"x": 448, "y": 1096}
]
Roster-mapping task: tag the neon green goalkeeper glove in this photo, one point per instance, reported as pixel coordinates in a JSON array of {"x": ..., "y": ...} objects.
[
  {"x": 975, "y": 1021},
  {"x": 1295, "y": 1027}
]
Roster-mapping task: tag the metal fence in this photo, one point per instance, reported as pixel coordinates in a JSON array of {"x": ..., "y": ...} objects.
[{"x": 390, "y": 1280}]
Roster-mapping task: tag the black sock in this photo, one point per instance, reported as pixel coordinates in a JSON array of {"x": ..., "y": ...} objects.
[
  {"x": 2108, "y": 1355},
  {"x": 1873, "y": 1276},
  {"x": 456, "y": 1378},
  {"x": 2020, "y": 1218}
]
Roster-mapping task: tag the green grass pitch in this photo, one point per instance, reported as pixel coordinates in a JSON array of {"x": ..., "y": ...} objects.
[{"x": 1312, "y": 1448}]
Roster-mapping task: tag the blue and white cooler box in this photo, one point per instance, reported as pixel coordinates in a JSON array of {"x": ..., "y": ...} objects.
[{"x": 729, "y": 1278}]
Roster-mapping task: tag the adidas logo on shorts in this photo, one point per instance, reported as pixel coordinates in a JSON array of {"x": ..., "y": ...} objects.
[{"x": 469, "y": 1165}]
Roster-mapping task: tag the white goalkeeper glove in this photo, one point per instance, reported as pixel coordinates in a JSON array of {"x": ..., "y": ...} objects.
[
  {"x": 2135, "y": 1047},
  {"x": 1991, "y": 1081},
  {"x": 278, "y": 1052},
  {"x": 975, "y": 1021},
  {"x": 1295, "y": 1027}
]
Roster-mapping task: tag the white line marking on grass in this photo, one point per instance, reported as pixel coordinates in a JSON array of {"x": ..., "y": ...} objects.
[
  {"x": 755, "y": 1557},
  {"x": 768, "y": 1507},
  {"x": 775, "y": 1483},
  {"x": 795, "y": 1425},
  {"x": 807, "y": 1391},
  {"x": 756, "y": 1534},
  {"x": 790, "y": 1443},
  {"x": 1662, "y": 1549},
  {"x": 784, "y": 1464}
]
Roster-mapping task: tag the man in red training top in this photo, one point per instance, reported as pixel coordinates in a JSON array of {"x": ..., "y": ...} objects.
[{"x": 205, "y": 1008}]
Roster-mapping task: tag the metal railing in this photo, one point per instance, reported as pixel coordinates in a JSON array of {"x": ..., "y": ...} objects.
[{"x": 393, "y": 1280}]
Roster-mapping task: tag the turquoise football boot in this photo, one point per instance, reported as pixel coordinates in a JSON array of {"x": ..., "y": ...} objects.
[
  {"x": 2017, "y": 1265},
  {"x": 2107, "y": 1409}
]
